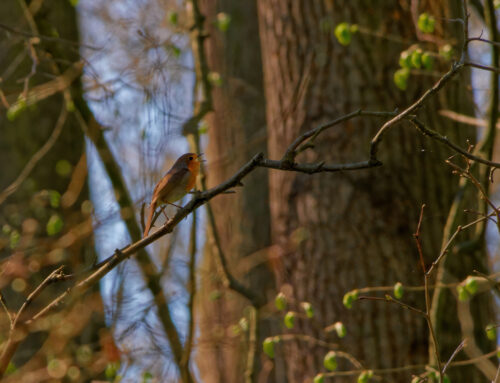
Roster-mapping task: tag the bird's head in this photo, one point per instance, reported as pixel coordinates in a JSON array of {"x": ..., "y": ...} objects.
[{"x": 190, "y": 160}]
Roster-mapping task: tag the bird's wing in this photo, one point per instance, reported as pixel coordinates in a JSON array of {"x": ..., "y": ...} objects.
[
  {"x": 172, "y": 180},
  {"x": 150, "y": 219}
]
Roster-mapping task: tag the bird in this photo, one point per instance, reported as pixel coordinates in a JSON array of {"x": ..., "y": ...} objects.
[{"x": 174, "y": 185}]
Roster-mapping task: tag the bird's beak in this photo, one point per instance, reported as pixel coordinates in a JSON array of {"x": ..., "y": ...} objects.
[{"x": 201, "y": 159}]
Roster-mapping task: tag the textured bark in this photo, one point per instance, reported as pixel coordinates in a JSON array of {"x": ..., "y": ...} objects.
[
  {"x": 236, "y": 132},
  {"x": 28, "y": 209},
  {"x": 343, "y": 231}
]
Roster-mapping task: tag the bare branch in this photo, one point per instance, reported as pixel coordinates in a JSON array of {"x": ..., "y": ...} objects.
[
  {"x": 18, "y": 331},
  {"x": 455, "y": 353},
  {"x": 455, "y": 68},
  {"x": 37, "y": 156},
  {"x": 46, "y": 38},
  {"x": 6, "y": 309},
  {"x": 444, "y": 140}
]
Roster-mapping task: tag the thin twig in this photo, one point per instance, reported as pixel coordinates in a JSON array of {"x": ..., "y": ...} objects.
[
  {"x": 253, "y": 336},
  {"x": 455, "y": 68},
  {"x": 390, "y": 299},
  {"x": 392, "y": 370},
  {"x": 6, "y": 309},
  {"x": 293, "y": 148},
  {"x": 444, "y": 140},
  {"x": 37, "y": 156},
  {"x": 46, "y": 38},
  {"x": 483, "y": 67},
  {"x": 435, "y": 345},
  {"x": 455, "y": 353},
  {"x": 17, "y": 330},
  {"x": 495, "y": 43}
]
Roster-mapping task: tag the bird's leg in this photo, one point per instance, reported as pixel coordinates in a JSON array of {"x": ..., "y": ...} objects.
[
  {"x": 173, "y": 204},
  {"x": 162, "y": 210},
  {"x": 157, "y": 214}
]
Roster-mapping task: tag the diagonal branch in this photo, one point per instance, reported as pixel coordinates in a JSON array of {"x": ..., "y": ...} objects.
[{"x": 17, "y": 329}]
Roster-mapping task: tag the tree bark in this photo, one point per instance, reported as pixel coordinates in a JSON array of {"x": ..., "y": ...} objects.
[
  {"x": 335, "y": 233},
  {"x": 236, "y": 132}
]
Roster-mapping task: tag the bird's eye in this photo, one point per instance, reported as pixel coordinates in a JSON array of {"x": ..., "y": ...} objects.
[{"x": 191, "y": 158}]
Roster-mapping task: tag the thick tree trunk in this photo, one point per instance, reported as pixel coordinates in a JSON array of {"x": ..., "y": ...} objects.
[
  {"x": 29, "y": 210},
  {"x": 338, "y": 232},
  {"x": 236, "y": 131}
]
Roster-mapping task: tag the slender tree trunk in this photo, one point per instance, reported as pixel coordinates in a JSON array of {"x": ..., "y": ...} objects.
[
  {"x": 338, "y": 232},
  {"x": 62, "y": 169},
  {"x": 236, "y": 131}
]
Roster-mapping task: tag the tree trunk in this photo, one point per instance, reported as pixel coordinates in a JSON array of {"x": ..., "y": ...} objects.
[
  {"x": 63, "y": 170},
  {"x": 236, "y": 131},
  {"x": 337, "y": 232}
]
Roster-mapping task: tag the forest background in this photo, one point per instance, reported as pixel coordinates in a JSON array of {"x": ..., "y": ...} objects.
[{"x": 344, "y": 227}]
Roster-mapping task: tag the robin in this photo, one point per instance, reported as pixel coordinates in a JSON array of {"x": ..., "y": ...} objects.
[{"x": 178, "y": 181}]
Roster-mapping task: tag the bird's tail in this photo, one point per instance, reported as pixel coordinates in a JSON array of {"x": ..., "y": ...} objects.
[{"x": 152, "y": 208}]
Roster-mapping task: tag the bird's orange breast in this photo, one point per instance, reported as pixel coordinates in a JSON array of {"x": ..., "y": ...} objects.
[{"x": 194, "y": 168}]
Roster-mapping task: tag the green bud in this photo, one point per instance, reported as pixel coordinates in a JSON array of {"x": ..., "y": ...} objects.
[
  {"x": 215, "y": 79},
  {"x": 343, "y": 33},
  {"x": 320, "y": 378},
  {"x": 416, "y": 58},
  {"x": 471, "y": 285},
  {"x": 63, "y": 168},
  {"x": 280, "y": 301},
  {"x": 340, "y": 329},
  {"x": 426, "y": 23},
  {"x": 349, "y": 298},
  {"x": 427, "y": 61},
  {"x": 354, "y": 28},
  {"x": 463, "y": 294},
  {"x": 446, "y": 51},
  {"x": 147, "y": 377},
  {"x": 365, "y": 376},
  {"x": 173, "y": 18},
  {"x": 355, "y": 294},
  {"x": 401, "y": 78},
  {"x": 491, "y": 332},
  {"x": 330, "y": 361},
  {"x": 203, "y": 128},
  {"x": 111, "y": 370},
  {"x": 176, "y": 51},
  {"x": 54, "y": 198},
  {"x": 223, "y": 21},
  {"x": 405, "y": 59},
  {"x": 289, "y": 320},
  {"x": 54, "y": 225},
  {"x": 16, "y": 109},
  {"x": 6, "y": 229},
  {"x": 398, "y": 290},
  {"x": 268, "y": 347},
  {"x": 70, "y": 106},
  {"x": 308, "y": 309}
]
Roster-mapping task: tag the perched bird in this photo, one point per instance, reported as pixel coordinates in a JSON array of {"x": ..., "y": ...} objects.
[{"x": 178, "y": 181}]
